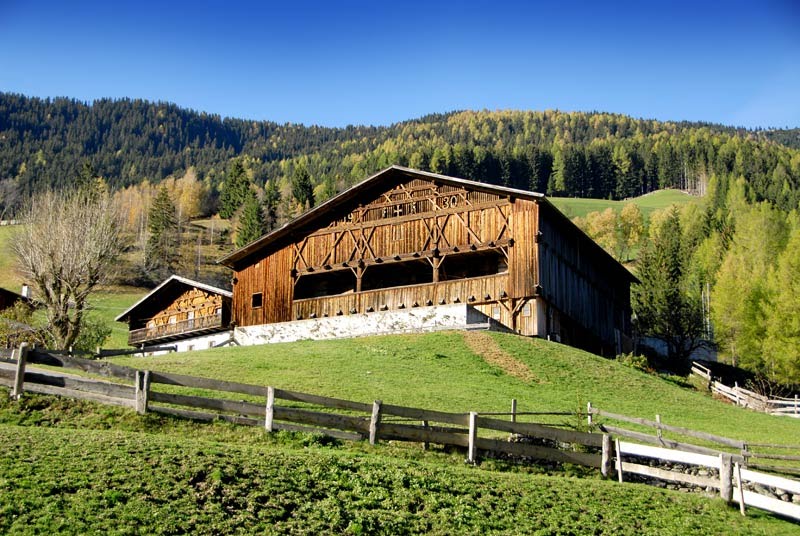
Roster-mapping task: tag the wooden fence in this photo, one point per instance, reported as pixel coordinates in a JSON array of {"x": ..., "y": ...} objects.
[
  {"x": 277, "y": 409},
  {"x": 754, "y": 455},
  {"x": 740, "y": 396}
]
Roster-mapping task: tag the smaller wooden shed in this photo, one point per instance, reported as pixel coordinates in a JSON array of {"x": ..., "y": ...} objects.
[
  {"x": 8, "y": 298},
  {"x": 178, "y": 309}
]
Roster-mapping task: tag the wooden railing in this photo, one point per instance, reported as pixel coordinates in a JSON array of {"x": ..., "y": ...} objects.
[
  {"x": 278, "y": 409},
  {"x": 789, "y": 407},
  {"x": 183, "y": 327},
  {"x": 472, "y": 290}
]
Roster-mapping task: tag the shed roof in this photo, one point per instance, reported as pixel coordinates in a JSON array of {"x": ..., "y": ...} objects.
[
  {"x": 10, "y": 297},
  {"x": 171, "y": 281}
]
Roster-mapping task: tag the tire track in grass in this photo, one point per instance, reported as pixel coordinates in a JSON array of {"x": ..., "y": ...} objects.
[{"x": 487, "y": 348}]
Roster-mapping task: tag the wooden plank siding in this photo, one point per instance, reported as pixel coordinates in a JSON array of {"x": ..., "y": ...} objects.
[
  {"x": 269, "y": 277},
  {"x": 586, "y": 287},
  {"x": 405, "y": 238}
]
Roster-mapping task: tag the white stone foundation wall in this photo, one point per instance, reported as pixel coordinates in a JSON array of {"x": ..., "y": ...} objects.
[
  {"x": 202, "y": 342},
  {"x": 418, "y": 319}
]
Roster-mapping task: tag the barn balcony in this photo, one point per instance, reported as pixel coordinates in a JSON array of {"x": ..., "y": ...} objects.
[
  {"x": 471, "y": 291},
  {"x": 178, "y": 330}
]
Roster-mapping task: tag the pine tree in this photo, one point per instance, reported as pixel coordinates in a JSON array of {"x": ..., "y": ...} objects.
[
  {"x": 160, "y": 255},
  {"x": 234, "y": 191},
  {"x": 272, "y": 200},
  {"x": 302, "y": 188},
  {"x": 251, "y": 222},
  {"x": 665, "y": 309}
]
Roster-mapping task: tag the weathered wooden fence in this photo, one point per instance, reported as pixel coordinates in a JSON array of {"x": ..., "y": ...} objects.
[
  {"x": 480, "y": 434},
  {"x": 789, "y": 407}
]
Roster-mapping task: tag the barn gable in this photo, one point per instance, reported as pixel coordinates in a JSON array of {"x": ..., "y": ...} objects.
[{"x": 404, "y": 238}]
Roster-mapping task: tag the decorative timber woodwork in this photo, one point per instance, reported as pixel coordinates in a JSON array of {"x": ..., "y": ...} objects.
[{"x": 177, "y": 309}]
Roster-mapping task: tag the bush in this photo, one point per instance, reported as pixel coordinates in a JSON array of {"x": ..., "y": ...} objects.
[{"x": 634, "y": 361}]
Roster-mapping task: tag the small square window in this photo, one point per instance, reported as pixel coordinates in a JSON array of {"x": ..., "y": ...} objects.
[
  {"x": 258, "y": 300},
  {"x": 526, "y": 310},
  {"x": 496, "y": 313}
]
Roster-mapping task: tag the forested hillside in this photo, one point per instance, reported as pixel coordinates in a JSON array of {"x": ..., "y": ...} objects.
[{"x": 45, "y": 142}]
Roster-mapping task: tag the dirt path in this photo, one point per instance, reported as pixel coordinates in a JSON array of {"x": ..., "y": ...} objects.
[{"x": 485, "y": 346}]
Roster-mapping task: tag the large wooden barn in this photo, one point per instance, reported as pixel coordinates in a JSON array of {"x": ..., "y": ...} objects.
[{"x": 404, "y": 238}]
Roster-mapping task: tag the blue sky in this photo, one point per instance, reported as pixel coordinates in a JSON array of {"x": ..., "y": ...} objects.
[{"x": 338, "y": 63}]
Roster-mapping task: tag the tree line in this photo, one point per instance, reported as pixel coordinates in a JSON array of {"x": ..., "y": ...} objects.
[{"x": 43, "y": 143}]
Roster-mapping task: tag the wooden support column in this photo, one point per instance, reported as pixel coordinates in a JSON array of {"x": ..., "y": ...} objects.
[
  {"x": 270, "y": 410},
  {"x": 473, "y": 436},
  {"x": 725, "y": 477},
  {"x": 19, "y": 378},
  {"x": 142, "y": 391},
  {"x": 374, "y": 422},
  {"x": 435, "y": 263},
  {"x": 359, "y": 275}
]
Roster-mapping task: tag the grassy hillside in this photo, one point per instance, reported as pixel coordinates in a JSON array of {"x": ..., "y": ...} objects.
[
  {"x": 62, "y": 472},
  {"x": 108, "y": 303},
  {"x": 442, "y": 371},
  {"x": 648, "y": 203},
  {"x": 8, "y": 276}
]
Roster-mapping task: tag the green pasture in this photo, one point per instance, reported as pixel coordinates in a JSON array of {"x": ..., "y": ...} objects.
[
  {"x": 575, "y": 207},
  {"x": 439, "y": 371},
  {"x": 80, "y": 469}
]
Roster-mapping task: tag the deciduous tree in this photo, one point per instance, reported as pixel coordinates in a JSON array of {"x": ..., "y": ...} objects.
[{"x": 66, "y": 248}]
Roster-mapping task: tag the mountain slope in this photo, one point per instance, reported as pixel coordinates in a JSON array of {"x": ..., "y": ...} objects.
[{"x": 43, "y": 143}]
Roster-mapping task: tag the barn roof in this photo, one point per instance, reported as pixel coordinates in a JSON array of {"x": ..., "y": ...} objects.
[
  {"x": 355, "y": 191},
  {"x": 393, "y": 173},
  {"x": 174, "y": 280}
]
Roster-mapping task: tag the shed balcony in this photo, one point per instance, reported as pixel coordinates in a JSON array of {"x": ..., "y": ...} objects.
[{"x": 178, "y": 330}]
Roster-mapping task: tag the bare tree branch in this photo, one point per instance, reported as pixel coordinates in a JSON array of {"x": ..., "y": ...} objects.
[{"x": 67, "y": 246}]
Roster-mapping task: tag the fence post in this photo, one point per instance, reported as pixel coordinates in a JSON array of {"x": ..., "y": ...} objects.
[
  {"x": 513, "y": 410},
  {"x": 741, "y": 489},
  {"x": 658, "y": 428},
  {"x": 619, "y": 461},
  {"x": 142, "y": 391},
  {"x": 425, "y": 444},
  {"x": 589, "y": 413},
  {"x": 605, "y": 464},
  {"x": 736, "y": 392},
  {"x": 725, "y": 477},
  {"x": 269, "y": 414},
  {"x": 374, "y": 422},
  {"x": 19, "y": 378},
  {"x": 473, "y": 436},
  {"x": 795, "y": 405}
]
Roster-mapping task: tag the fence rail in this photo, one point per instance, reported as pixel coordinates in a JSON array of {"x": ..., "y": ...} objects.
[
  {"x": 478, "y": 434},
  {"x": 789, "y": 407}
]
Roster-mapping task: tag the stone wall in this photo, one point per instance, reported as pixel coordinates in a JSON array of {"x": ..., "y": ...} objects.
[{"x": 418, "y": 319}]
